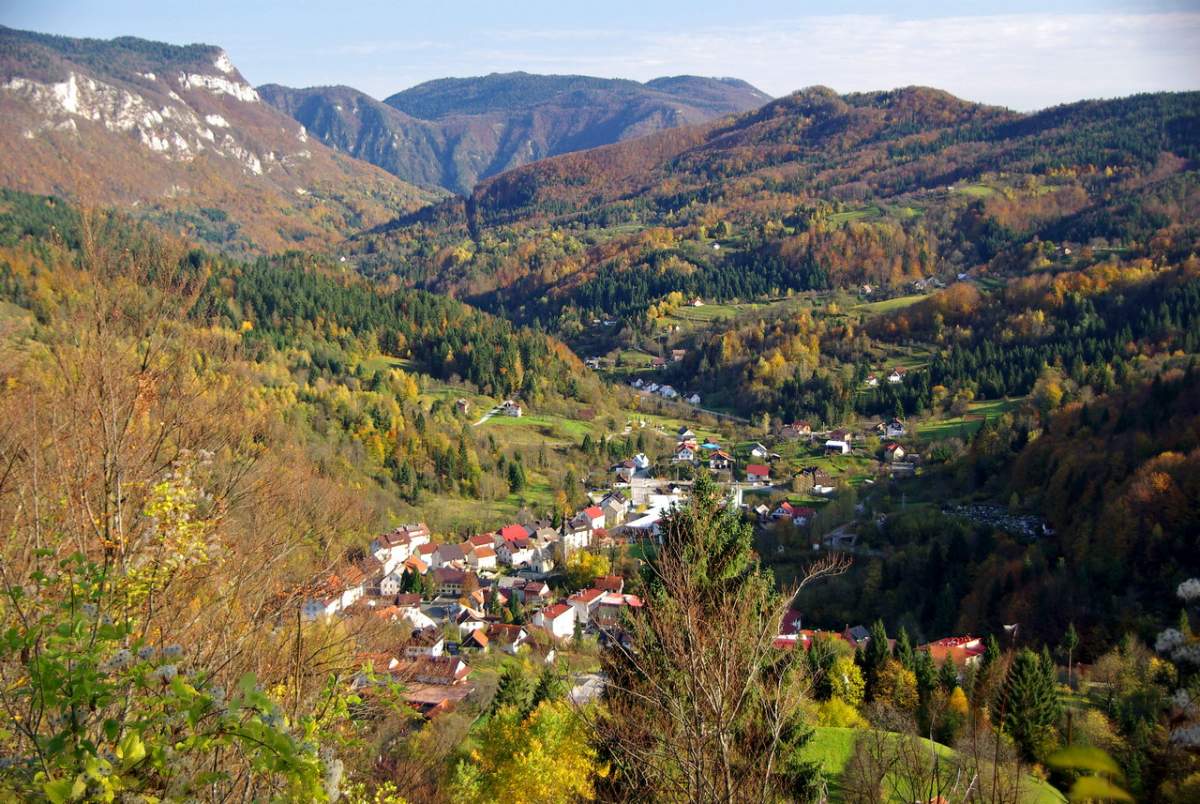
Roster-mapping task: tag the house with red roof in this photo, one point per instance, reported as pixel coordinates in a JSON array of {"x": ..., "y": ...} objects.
[
  {"x": 593, "y": 515},
  {"x": 510, "y": 532},
  {"x": 585, "y": 601},
  {"x": 482, "y": 558},
  {"x": 758, "y": 473},
  {"x": 720, "y": 460},
  {"x": 610, "y": 583},
  {"x": 557, "y": 620},
  {"x": 612, "y": 604},
  {"x": 963, "y": 651}
]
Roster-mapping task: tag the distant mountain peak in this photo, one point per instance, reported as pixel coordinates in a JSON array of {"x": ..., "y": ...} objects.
[
  {"x": 453, "y": 132},
  {"x": 172, "y": 129}
]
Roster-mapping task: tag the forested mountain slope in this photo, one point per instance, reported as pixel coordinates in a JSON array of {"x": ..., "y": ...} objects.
[
  {"x": 179, "y": 134},
  {"x": 453, "y": 132},
  {"x": 811, "y": 191}
]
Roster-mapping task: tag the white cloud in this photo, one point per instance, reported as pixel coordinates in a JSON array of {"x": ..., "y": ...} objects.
[{"x": 1024, "y": 61}]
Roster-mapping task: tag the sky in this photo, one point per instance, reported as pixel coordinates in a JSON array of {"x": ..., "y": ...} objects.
[{"x": 1021, "y": 54}]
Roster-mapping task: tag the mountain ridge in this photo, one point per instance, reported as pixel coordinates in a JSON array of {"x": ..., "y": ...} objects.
[
  {"x": 210, "y": 159},
  {"x": 453, "y": 132}
]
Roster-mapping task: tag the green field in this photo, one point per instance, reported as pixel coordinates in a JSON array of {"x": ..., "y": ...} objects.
[
  {"x": 838, "y": 218},
  {"x": 976, "y": 190},
  {"x": 535, "y": 429},
  {"x": 888, "y": 305},
  {"x": 832, "y": 747},
  {"x": 965, "y": 426}
]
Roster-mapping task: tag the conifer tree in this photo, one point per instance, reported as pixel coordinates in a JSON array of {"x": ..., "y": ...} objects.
[
  {"x": 513, "y": 689},
  {"x": 699, "y": 705},
  {"x": 904, "y": 649},
  {"x": 875, "y": 655},
  {"x": 948, "y": 676},
  {"x": 1030, "y": 706}
]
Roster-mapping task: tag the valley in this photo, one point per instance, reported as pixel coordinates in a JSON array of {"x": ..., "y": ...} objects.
[{"x": 559, "y": 438}]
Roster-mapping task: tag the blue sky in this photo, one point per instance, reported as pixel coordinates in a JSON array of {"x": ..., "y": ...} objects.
[{"x": 1020, "y": 54}]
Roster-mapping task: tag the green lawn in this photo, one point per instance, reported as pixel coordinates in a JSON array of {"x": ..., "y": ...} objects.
[
  {"x": 537, "y": 428},
  {"x": 833, "y": 747},
  {"x": 838, "y": 218},
  {"x": 965, "y": 426},
  {"x": 976, "y": 190},
  {"x": 888, "y": 305}
]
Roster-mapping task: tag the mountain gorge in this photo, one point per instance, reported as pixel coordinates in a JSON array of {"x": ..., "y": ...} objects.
[
  {"x": 179, "y": 134},
  {"x": 451, "y": 133}
]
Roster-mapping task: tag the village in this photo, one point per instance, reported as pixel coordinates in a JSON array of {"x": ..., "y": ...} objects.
[{"x": 523, "y": 589}]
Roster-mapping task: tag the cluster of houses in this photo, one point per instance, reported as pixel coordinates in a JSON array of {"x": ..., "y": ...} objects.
[
  {"x": 663, "y": 390},
  {"x": 964, "y": 651},
  {"x": 454, "y": 598},
  {"x": 472, "y": 583},
  {"x": 895, "y": 377}
]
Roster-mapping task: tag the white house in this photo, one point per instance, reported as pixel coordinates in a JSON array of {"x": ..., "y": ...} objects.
[
  {"x": 450, "y": 555},
  {"x": 515, "y": 553},
  {"x": 389, "y": 586},
  {"x": 837, "y": 447},
  {"x": 872, "y": 381},
  {"x": 585, "y": 602},
  {"x": 615, "y": 507},
  {"x": 511, "y": 408},
  {"x": 759, "y": 451},
  {"x": 393, "y": 548},
  {"x": 594, "y": 516},
  {"x": 897, "y": 375},
  {"x": 758, "y": 473},
  {"x": 720, "y": 460},
  {"x": 337, "y": 592},
  {"x": 893, "y": 452},
  {"x": 667, "y": 392},
  {"x": 684, "y": 454},
  {"x": 576, "y": 536},
  {"x": 426, "y": 642},
  {"x": 482, "y": 558},
  {"x": 694, "y": 399},
  {"x": 557, "y": 620}
]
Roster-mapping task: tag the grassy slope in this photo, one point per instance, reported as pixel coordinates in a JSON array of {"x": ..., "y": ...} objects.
[{"x": 832, "y": 747}]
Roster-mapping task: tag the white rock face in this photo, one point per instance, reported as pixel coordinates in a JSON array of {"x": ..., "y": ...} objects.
[
  {"x": 243, "y": 155},
  {"x": 174, "y": 130},
  {"x": 223, "y": 63},
  {"x": 149, "y": 76},
  {"x": 219, "y": 85}
]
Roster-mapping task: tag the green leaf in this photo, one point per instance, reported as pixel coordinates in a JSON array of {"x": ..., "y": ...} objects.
[
  {"x": 1096, "y": 788},
  {"x": 1086, "y": 758},
  {"x": 58, "y": 791},
  {"x": 61, "y": 791},
  {"x": 131, "y": 749}
]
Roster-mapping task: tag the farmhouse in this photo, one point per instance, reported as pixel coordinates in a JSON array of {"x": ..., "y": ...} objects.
[{"x": 758, "y": 473}]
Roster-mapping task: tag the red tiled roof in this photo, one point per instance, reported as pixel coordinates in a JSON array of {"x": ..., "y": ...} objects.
[
  {"x": 593, "y": 512},
  {"x": 609, "y": 583},
  {"x": 757, "y": 469},
  {"x": 484, "y": 552},
  {"x": 510, "y": 532},
  {"x": 555, "y": 611},
  {"x": 586, "y": 595},
  {"x": 483, "y": 540}
]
